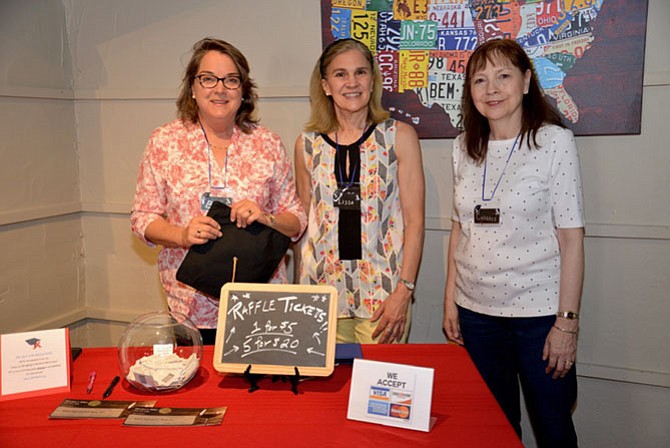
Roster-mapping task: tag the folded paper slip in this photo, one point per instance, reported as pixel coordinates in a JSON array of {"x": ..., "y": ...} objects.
[{"x": 258, "y": 248}]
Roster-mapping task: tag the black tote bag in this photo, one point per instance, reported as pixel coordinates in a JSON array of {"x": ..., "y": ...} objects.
[{"x": 259, "y": 250}]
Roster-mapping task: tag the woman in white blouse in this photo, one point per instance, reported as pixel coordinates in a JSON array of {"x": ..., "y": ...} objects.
[{"x": 515, "y": 263}]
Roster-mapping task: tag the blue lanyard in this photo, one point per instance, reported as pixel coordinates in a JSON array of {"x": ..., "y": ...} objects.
[
  {"x": 501, "y": 174},
  {"x": 209, "y": 164},
  {"x": 352, "y": 173}
]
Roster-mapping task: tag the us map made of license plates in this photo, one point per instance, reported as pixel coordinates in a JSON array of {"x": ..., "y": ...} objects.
[{"x": 422, "y": 48}]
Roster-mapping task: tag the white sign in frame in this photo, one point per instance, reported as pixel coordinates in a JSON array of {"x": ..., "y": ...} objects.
[
  {"x": 391, "y": 394},
  {"x": 34, "y": 363}
]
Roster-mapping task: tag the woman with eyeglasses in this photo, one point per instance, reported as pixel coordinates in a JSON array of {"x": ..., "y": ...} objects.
[{"x": 215, "y": 150}]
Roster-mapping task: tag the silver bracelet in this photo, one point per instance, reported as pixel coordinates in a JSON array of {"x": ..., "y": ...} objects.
[{"x": 409, "y": 285}]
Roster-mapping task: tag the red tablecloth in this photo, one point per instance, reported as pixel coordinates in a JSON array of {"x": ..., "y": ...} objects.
[{"x": 467, "y": 414}]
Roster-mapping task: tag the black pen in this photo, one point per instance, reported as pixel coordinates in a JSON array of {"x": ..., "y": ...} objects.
[{"x": 110, "y": 388}]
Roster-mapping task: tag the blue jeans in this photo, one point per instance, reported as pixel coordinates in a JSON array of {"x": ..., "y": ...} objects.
[{"x": 508, "y": 350}]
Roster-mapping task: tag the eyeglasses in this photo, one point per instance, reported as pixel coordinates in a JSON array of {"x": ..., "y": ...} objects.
[{"x": 232, "y": 82}]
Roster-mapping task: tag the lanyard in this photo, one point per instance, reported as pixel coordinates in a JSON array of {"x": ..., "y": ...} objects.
[
  {"x": 495, "y": 188},
  {"x": 209, "y": 164},
  {"x": 352, "y": 173}
]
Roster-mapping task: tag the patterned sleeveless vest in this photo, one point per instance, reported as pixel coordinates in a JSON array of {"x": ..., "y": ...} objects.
[{"x": 362, "y": 284}]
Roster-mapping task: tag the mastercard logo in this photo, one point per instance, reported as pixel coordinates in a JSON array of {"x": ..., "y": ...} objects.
[{"x": 400, "y": 412}]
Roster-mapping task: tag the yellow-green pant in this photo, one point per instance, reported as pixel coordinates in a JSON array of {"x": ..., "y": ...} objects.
[{"x": 359, "y": 329}]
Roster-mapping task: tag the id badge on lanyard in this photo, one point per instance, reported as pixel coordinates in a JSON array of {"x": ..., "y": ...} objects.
[
  {"x": 221, "y": 194},
  {"x": 348, "y": 195},
  {"x": 206, "y": 200},
  {"x": 487, "y": 214},
  {"x": 348, "y": 198}
]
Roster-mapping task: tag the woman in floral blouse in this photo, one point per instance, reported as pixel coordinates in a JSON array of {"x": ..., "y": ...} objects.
[{"x": 214, "y": 150}]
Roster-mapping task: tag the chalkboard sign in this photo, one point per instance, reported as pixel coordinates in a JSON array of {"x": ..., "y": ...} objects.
[{"x": 275, "y": 328}]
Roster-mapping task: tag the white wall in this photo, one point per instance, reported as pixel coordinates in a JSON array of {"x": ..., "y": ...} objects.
[
  {"x": 84, "y": 82},
  {"x": 41, "y": 269}
]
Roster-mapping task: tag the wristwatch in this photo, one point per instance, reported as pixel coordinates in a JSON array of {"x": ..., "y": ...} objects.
[
  {"x": 570, "y": 315},
  {"x": 409, "y": 285}
]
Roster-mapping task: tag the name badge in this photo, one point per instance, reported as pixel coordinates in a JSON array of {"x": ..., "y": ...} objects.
[
  {"x": 347, "y": 198},
  {"x": 487, "y": 216},
  {"x": 206, "y": 201}
]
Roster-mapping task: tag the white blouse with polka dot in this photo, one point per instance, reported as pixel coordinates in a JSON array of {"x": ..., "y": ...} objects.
[{"x": 512, "y": 269}]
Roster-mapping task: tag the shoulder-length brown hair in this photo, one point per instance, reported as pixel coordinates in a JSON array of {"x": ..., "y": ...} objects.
[
  {"x": 187, "y": 108},
  {"x": 536, "y": 110},
  {"x": 322, "y": 117}
]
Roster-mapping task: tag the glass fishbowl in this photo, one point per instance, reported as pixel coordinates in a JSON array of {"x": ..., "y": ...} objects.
[{"x": 160, "y": 351}]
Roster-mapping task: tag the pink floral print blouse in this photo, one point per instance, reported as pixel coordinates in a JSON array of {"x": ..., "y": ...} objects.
[{"x": 176, "y": 171}]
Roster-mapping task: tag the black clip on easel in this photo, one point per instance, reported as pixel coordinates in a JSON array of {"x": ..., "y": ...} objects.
[
  {"x": 294, "y": 379},
  {"x": 253, "y": 379}
]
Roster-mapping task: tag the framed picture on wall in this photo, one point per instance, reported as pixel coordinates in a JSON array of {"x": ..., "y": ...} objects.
[{"x": 588, "y": 54}]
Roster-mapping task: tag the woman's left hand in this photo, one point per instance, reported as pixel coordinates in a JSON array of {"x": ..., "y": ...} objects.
[
  {"x": 392, "y": 316},
  {"x": 560, "y": 352},
  {"x": 244, "y": 213}
]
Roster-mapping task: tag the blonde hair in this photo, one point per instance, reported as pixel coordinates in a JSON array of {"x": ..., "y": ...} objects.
[{"x": 322, "y": 116}]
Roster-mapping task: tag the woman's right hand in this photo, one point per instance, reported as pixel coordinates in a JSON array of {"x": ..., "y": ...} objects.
[
  {"x": 451, "y": 324},
  {"x": 200, "y": 230}
]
